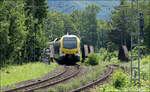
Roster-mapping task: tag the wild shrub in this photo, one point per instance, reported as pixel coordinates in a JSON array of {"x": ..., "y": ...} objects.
[
  {"x": 103, "y": 54},
  {"x": 143, "y": 51},
  {"x": 106, "y": 55},
  {"x": 92, "y": 59},
  {"x": 60, "y": 88},
  {"x": 114, "y": 60},
  {"x": 119, "y": 79},
  {"x": 105, "y": 88},
  {"x": 144, "y": 74},
  {"x": 146, "y": 60}
]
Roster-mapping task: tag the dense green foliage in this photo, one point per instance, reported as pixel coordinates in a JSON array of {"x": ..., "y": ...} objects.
[
  {"x": 92, "y": 59},
  {"x": 120, "y": 80},
  {"x": 125, "y": 20},
  {"x": 107, "y": 56},
  {"x": 81, "y": 23},
  {"x": 102, "y": 56},
  {"x": 12, "y": 31},
  {"x": 22, "y": 34}
]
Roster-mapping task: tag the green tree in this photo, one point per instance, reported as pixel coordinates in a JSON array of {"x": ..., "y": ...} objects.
[
  {"x": 147, "y": 26},
  {"x": 55, "y": 25},
  {"x": 12, "y": 31},
  {"x": 90, "y": 24},
  {"x": 36, "y": 39},
  {"x": 38, "y": 8}
]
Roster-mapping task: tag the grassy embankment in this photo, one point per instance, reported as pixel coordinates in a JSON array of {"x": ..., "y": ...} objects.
[
  {"x": 120, "y": 81},
  {"x": 14, "y": 74}
]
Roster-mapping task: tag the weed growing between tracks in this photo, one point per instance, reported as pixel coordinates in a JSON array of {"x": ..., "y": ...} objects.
[
  {"x": 79, "y": 81},
  {"x": 14, "y": 74}
]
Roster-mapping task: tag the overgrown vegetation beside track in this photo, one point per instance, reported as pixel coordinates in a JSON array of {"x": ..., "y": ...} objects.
[
  {"x": 120, "y": 81},
  {"x": 101, "y": 57},
  {"x": 79, "y": 81},
  {"x": 14, "y": 74}
]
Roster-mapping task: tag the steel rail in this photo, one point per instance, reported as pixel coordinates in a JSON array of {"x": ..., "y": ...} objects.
[
  {"x": 65, "y": 75},
  {"x": 74, "y": 73},
  {"x": 107, "y": 74},
  {"x": 28, "y": 85}
]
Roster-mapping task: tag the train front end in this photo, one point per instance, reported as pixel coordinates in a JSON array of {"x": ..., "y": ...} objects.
[{"x": 70, "y": 49}]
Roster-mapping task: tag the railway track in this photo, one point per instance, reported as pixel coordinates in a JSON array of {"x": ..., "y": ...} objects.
[
  {"x": 69, "y": 72},
  {"x": 100, "y": 80}
]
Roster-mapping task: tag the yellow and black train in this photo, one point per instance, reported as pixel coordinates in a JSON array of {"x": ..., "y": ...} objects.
[{"x": 66, "y": 50}]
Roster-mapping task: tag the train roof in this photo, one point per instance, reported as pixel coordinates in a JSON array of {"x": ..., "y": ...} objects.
[
  {"x": 58, "y": 39},
  {"x": 70, "y": 36}
]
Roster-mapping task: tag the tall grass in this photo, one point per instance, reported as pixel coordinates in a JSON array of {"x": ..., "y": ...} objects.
[
  {"x": 122, "y": 80},
  {"x": 14, "y": 74},
  {"x": 77, "y": 82}
]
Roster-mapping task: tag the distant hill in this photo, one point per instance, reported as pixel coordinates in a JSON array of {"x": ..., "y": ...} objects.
[{"x": 67, "y": 6}]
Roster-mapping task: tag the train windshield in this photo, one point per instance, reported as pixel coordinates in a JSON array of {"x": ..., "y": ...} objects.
[{"x": 69, "y": 42}]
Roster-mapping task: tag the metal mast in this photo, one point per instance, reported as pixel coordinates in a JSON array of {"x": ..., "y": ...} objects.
[{"x": 135, "y": 42}]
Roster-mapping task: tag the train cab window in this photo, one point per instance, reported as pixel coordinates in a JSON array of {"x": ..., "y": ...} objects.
[{"x": 69, "y": 42}]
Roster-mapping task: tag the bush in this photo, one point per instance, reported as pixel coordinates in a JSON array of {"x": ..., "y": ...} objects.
[
  {"x": 146, "y": 60},
  {"x": 105, "y": 88},
  {"x": 114, "y": 60},
  {"x": 144, "y": 74},
  {"x": 103, "y": 54},
  {"x": 119, "y": 79},
  {"x": 107, "y": 56},
  {"x": 92, "y": 59},
  {"x": 143, "y": 51},
  {"x": 145, "y": 68}
]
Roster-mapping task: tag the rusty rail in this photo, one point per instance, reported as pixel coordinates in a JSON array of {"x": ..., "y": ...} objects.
[{"x": 30, "y": 87}]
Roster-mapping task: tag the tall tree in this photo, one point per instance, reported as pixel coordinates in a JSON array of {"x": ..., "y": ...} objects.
[
  {"x": 12, "y": 31},
  {"x": 90, "y": 24},
  {"x": 38, "y": 8},
  {"x": 147, "y": 26},
  {"x": 36, "y": 14}
]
